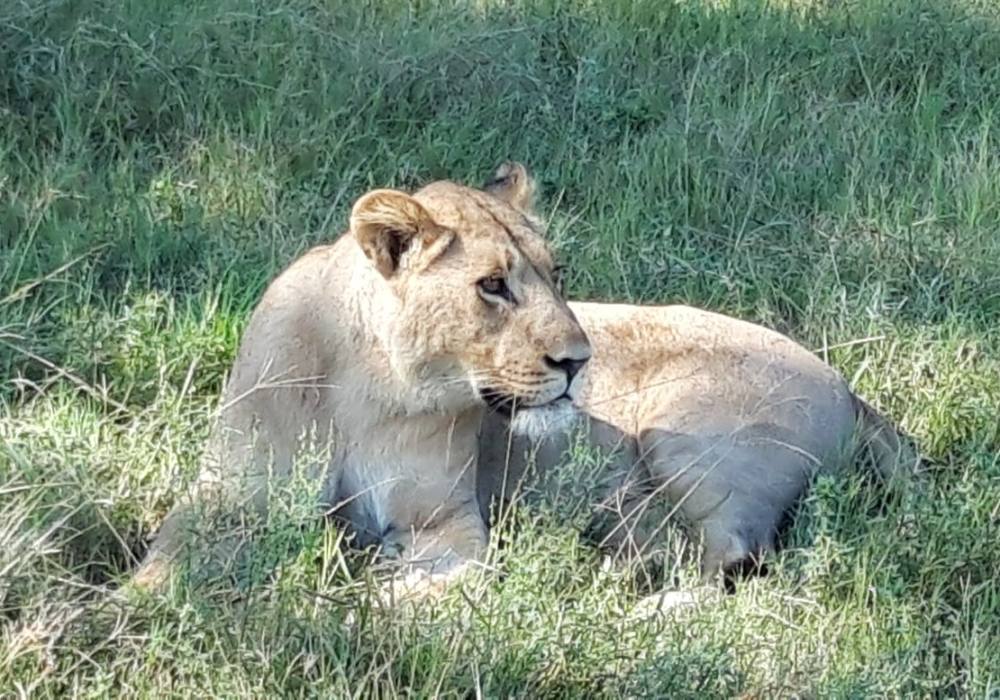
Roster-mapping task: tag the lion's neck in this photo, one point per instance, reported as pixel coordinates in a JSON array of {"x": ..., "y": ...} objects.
[{"x": 394, "y": 388}]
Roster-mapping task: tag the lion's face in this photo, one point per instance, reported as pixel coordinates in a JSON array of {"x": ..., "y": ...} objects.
[{"x": 480, "y": 316}]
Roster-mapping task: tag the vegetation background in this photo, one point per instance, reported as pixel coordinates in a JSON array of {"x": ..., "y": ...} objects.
[{"x": 827, "y": 168}]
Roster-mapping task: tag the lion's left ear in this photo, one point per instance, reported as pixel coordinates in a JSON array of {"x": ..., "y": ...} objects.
[
  {"x": 512, "y": 184},
  {"x": 396, "y": 232}
]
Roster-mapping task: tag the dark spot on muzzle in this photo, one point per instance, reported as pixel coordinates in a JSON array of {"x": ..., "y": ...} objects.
[{"x": 498, "y": 401}]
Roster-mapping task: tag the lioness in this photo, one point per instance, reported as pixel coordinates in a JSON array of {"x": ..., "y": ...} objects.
[
  {"x": 725, "y": 421},
  {"x": 384, "y": 349}
]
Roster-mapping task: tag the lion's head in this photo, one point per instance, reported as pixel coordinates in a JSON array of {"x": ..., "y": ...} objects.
[{"x": 478, "y": 316}]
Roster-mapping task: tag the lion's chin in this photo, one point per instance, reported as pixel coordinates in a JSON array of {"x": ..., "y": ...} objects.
[{"x": 537, "y": 421}]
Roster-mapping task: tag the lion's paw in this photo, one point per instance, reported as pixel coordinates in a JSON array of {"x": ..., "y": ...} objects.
[{"x": 671, "y": 602}]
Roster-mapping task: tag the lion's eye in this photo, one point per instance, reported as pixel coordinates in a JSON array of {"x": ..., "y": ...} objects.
[{"x": 495, "y": 286}]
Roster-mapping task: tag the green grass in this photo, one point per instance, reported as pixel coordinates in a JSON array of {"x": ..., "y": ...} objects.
[{"x": 830, "y": 169}]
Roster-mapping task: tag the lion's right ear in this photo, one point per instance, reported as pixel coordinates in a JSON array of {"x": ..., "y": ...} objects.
[
  {"x": 391, "y": 226},
  {"x": 512, "y": 184}
]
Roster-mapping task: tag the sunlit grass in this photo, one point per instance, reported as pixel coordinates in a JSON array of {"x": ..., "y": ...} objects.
[{"x": 827, "y": 169}]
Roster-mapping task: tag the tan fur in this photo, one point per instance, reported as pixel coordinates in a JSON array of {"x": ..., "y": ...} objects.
[
  {"x": 376, "y": 348},
  {"x": 725, "y": 421}
]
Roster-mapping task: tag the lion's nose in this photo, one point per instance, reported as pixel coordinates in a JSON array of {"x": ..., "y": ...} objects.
[{"x": 569, "y": 365}]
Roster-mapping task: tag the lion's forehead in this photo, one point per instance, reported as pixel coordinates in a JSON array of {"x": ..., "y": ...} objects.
[
  {"x": 471, "y": 212},
  {"x": 475, "y": 214}
]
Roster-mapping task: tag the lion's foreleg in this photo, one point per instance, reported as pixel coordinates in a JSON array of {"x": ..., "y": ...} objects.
[{"x": 438, "y": 553}]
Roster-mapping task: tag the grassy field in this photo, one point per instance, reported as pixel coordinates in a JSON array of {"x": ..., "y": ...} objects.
[{"x": 830, "y": 169}]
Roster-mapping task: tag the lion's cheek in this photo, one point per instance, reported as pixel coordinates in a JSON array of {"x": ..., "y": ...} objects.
[{"x": 517, "y": 348}]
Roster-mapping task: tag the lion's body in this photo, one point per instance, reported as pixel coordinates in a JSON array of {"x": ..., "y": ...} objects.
[
  {"x": 365, "y": 365},
  {"x": 368, "y": 364},
  {"x": 724, "y": 420}
]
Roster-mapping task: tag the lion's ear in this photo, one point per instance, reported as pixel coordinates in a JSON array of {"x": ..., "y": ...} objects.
[
  {"x": 512, "y": 184},
  {"x": 394, "y": 231}
]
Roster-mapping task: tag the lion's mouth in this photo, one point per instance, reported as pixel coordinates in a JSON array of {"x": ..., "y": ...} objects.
[
  {"x": 497, "y": 401},
  {"x": 505, "y": 404}
]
